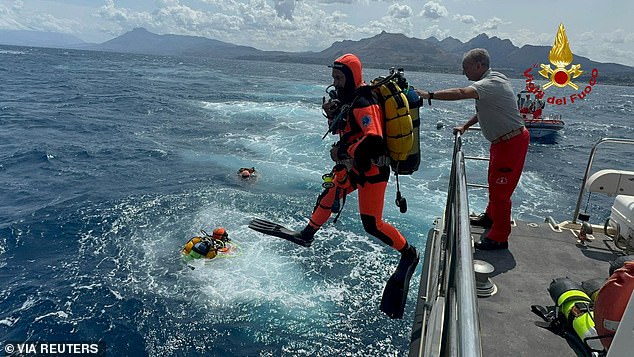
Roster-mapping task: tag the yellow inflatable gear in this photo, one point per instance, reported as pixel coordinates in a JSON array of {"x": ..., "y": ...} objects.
[
  {"x": 399, "y": 129},
  {"x": 187, "y": 249}
]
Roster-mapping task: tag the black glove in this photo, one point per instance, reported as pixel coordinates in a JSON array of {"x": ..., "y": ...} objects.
[
  {"x": 370, "y": 148},
  {"x": 338, "y": 152},
  {"x": 363, "y": 163}
]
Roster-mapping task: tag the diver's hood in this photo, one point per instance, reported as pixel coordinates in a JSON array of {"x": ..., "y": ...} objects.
[{"x": 350, "y": 65}]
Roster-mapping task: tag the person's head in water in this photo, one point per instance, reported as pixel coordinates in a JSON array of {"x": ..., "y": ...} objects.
[
  {"x": 220, "y": 234},
  {"x": 246, "y": 172},
  {"x": 475, "y": 63},
  {"x": 347, "y": 75}
]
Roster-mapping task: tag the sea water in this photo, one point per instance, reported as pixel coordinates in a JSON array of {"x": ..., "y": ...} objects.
[{"x": 110, "y": 162}]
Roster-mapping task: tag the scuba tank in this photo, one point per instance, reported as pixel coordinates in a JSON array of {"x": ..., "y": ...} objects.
[
  {"x": 574, "y": 307},
  {"x": 412, "y": 161},
  {"x": 401, "y": 110}
]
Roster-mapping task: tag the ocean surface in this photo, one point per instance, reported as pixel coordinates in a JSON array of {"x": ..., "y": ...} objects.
[{"x": 110, "y": 162}]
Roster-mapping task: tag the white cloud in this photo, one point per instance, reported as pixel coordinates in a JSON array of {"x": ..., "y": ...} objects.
[
  {"x": 434, "y": 10},
  {"x": 285, "y": 8},
  {"x": 434, "y": 31},
  {"x": 400, "y": 11},
  {"x": 465, "y": 19},
  {"x": 618, "y": 36},
  {"x": 521, "y": 37},
  {"x": 296, "y": 25},
  {"x": 606, "y": 47},
  {"x": 17, "y": 5},
  {"x": 490, "y": 24},
  {"x": 337, "y": 1},
  {"x": 287, "y": 25},
  {"x": 20, "y": 18}
]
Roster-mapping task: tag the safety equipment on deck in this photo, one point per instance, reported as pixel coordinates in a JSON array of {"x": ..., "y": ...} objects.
[
  {"x": 612, "y": 301},
  {"x": 572, "y": 316}
]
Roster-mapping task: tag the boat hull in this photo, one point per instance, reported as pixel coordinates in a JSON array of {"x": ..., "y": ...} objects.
[{"x": 541, "y": 128}]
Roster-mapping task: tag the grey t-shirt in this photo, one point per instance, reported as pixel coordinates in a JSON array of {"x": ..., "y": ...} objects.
[{"x": 497, "y": 105}]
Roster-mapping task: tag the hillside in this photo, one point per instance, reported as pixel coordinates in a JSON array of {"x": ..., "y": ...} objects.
[
  {"x": 38, "y": 39},
  {"x": 380, "y": 51}
]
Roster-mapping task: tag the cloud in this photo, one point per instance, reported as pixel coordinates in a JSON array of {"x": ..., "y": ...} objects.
[
  {"x": 398, "y": 19},
  {"x": 19, "y": 17},
  {"x": 465, "y": 19},
  {"x": 337, "y": 1},
  {"x": 285, "y": 25},
  {"x": 618, "y": 36},
  {"x": 285, "y": 8},
  {"x": 604, "y": 47},
  {"x": 434, "y": 10},
  {"x": 17, "y": 5},
  {"x": 490, "y": 24},
  {"x": 435, "y": 31},
  {"x": 400, "y": 11}
]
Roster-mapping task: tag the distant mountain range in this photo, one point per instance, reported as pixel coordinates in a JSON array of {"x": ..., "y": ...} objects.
[
  {"x": 381, "y": 51},
  {"x": 38, "y": 39}
]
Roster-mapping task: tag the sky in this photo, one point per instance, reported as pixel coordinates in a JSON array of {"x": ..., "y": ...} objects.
[{"x": 600, "y": 30}]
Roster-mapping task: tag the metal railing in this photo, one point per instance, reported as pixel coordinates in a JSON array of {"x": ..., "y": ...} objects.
[
  {"x": 450, "y": 324},
  {"x": 589, "y": 167}
]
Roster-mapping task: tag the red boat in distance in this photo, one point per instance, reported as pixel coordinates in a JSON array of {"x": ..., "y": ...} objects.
[{"x": 540, "y": 126}]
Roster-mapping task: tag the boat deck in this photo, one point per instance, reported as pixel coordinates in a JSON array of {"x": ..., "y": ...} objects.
[{"x": 537, "y": 254}]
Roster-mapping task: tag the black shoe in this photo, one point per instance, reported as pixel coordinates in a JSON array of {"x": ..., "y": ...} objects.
[
  {"x": 304, "y": 237},
  {"x": 489, "y": 244},
  {"x": 307, "y": 235},
  {"x": 395, "y": 292},
  {"x": 482, "y": 220},
  {"x": 407, "y": 263}
]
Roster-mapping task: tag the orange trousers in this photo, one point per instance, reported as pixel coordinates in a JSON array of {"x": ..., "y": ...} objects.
[{"x": 371, "y": 201}]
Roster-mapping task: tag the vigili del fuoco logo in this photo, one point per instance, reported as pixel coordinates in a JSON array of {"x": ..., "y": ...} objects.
[{"x": 561, "y": 76}]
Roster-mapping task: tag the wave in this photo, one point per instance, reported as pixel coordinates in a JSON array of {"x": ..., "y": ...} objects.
[{"x": 11, "y": 52}]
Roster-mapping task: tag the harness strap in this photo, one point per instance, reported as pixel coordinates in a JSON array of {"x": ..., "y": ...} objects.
[{"x": 357, "y": 179}]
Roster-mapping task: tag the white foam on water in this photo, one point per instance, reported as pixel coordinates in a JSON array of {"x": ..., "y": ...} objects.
[
  {"x": 58, "y": 314},
  {"x": 11, "y": 52}
]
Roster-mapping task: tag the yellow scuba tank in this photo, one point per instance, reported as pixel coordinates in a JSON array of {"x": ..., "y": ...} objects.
[
  {"x": 401, "y": 130},
  {"x": 398, "y": 127},
  {"x": 399, "y": 135},
  {"x": 575, "y": 307},
  {"x": 189, "y": 251},
  {"x": 412, "y": 161},
  {"x": 400, "y": 106},
  {"x": 190, "y": 244}
]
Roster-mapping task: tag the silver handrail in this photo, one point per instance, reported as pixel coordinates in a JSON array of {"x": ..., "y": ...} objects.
[
  {"x": 450, "y": 325},
  {"x": 589, "y": 166},
  {"x": 469, "y": 326}
]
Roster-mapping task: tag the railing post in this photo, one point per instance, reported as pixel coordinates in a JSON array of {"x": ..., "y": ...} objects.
[{"x": 589, "y": 166}]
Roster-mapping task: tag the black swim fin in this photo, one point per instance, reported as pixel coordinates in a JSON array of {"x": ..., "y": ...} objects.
[
  {"x": 397, "y": 287},
  {"x": 276, "y": 230}
]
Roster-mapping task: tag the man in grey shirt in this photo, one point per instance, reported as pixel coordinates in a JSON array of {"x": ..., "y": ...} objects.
[{"x": 501, "y": 124}]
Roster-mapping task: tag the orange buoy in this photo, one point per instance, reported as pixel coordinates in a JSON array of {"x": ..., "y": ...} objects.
[{"x": 612, "y": 301}]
